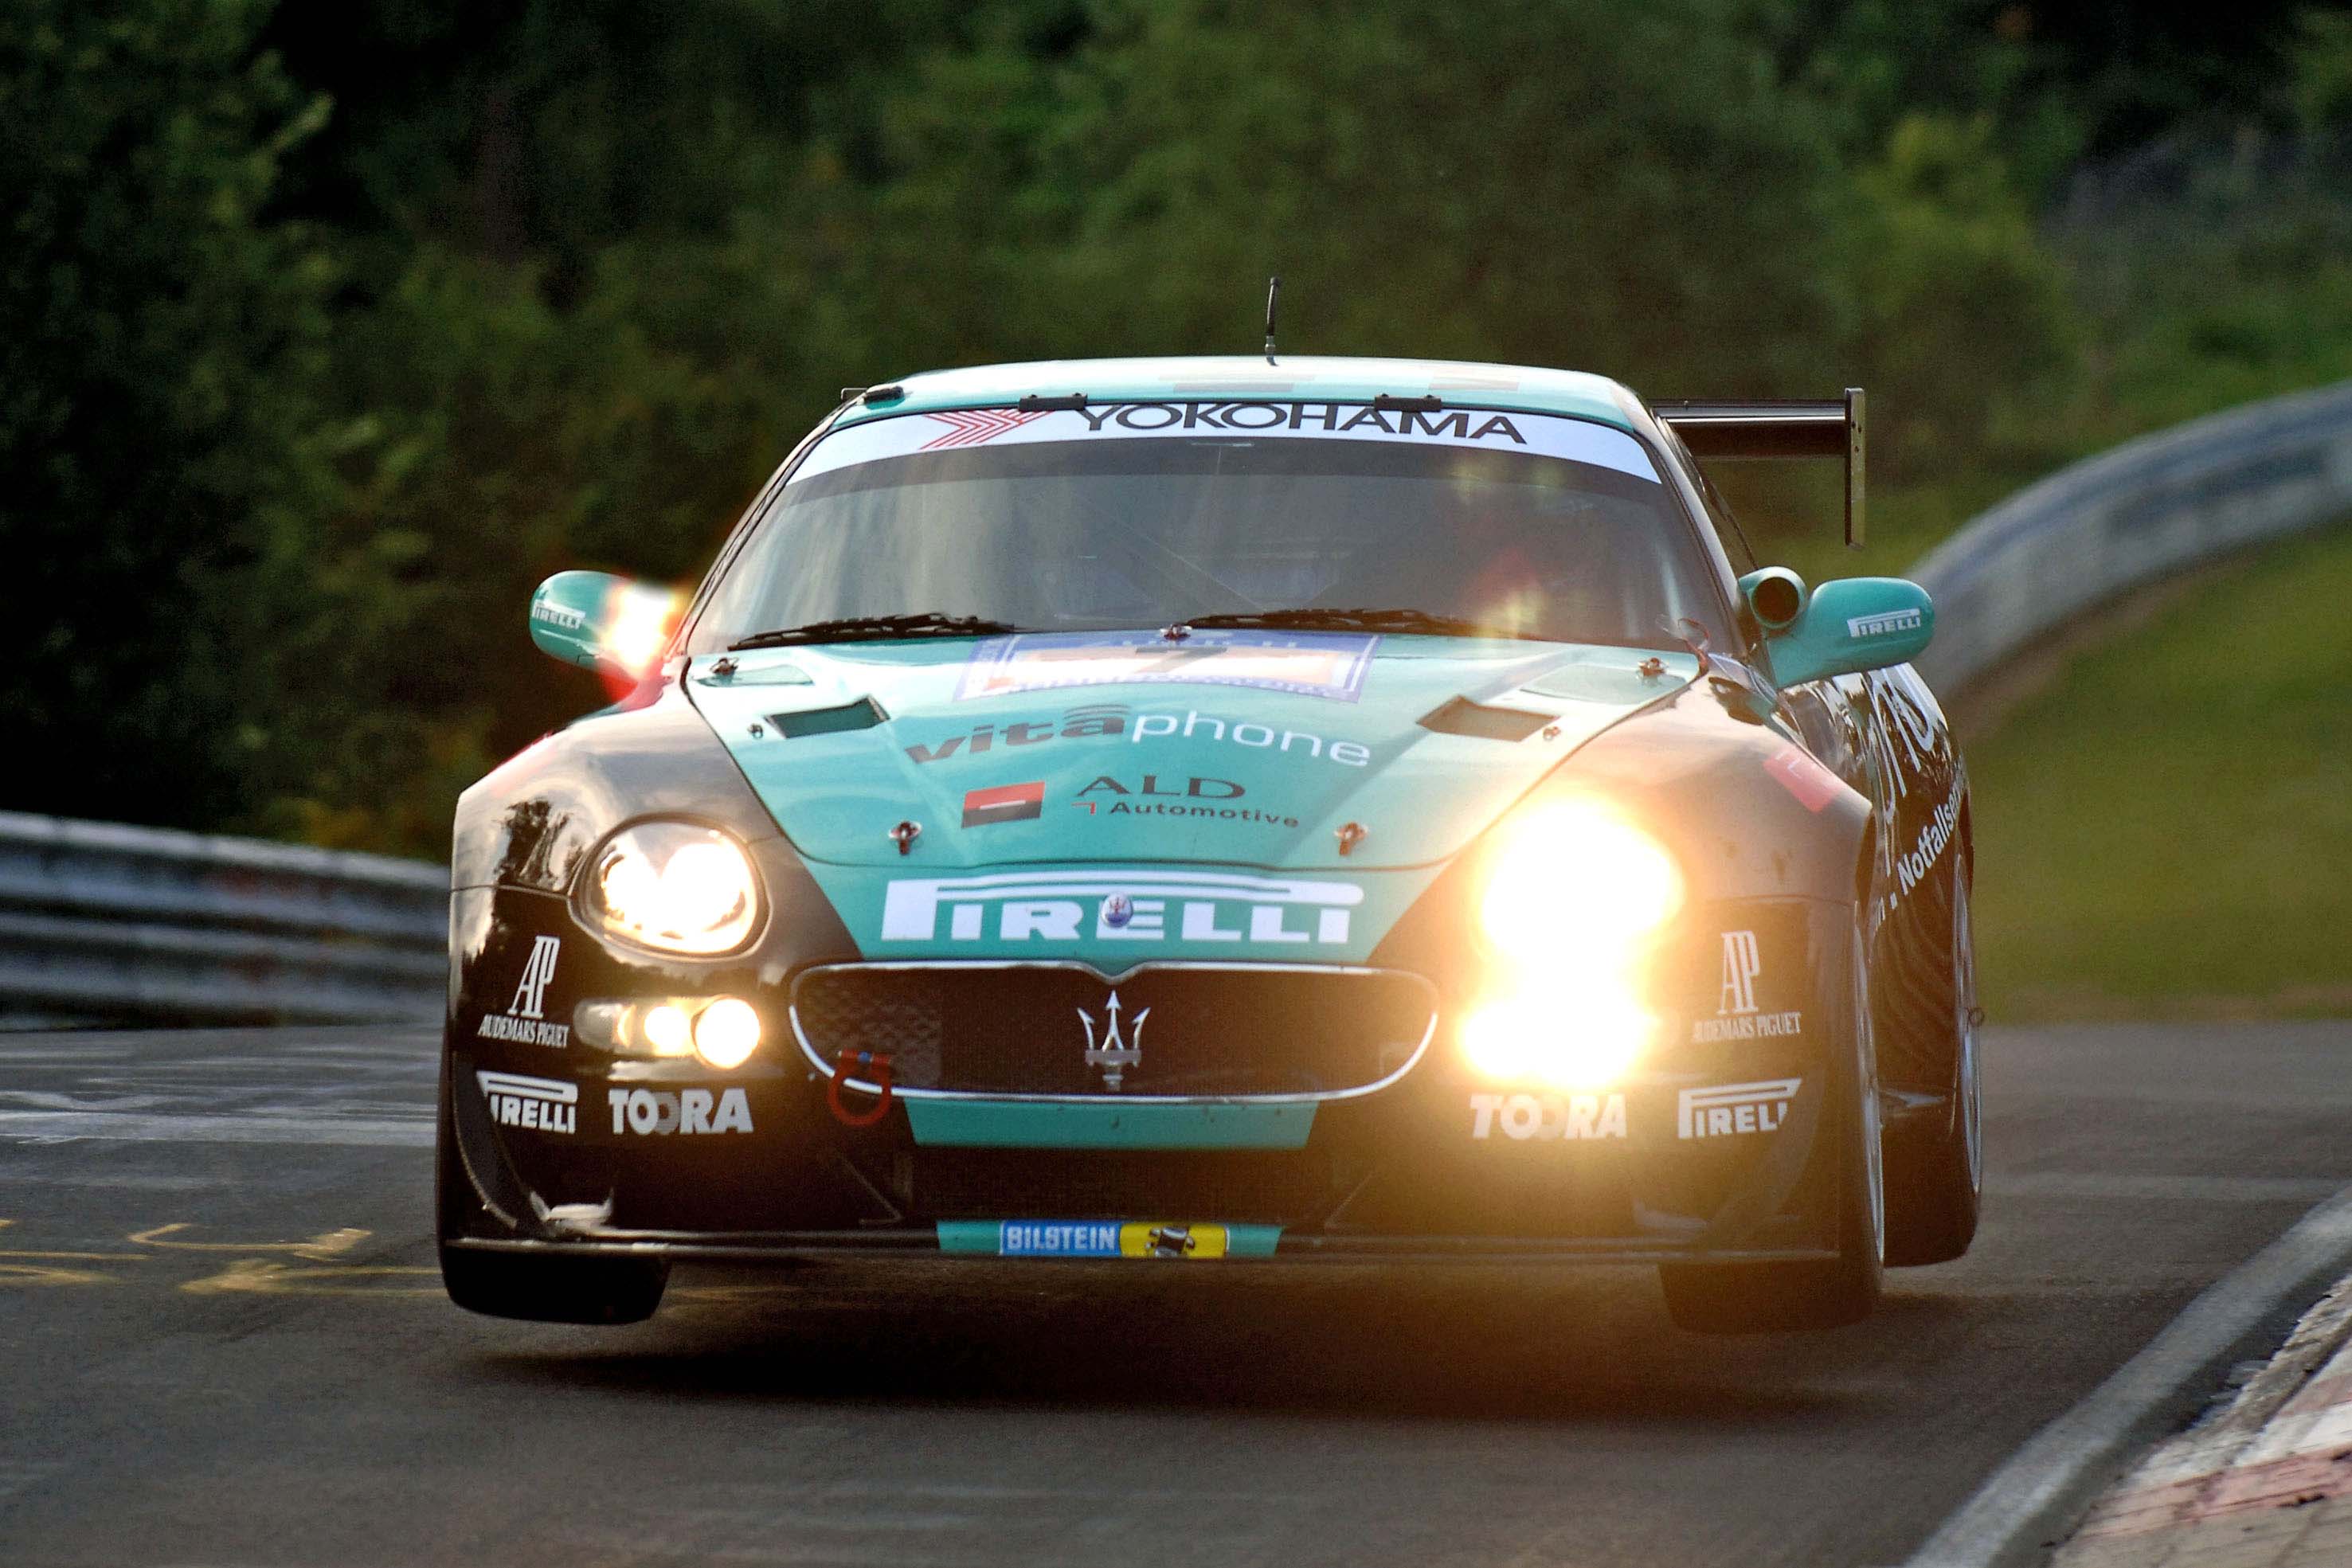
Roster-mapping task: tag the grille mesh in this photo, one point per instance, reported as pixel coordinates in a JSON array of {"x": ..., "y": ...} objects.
[{"x": 1024, "y": 1029}]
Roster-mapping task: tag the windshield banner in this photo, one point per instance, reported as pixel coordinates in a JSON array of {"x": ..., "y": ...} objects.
[
  {"x": 1311, "y": 663},
  {"x": 1536, "y": 435}
]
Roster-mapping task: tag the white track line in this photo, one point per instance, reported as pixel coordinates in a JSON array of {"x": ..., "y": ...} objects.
[
  {"x": 350, "y": 1132},
  {"x": 2010, "y": 1513}
]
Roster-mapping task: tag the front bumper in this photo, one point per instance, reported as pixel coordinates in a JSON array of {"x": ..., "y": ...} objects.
[{"x": 1719, "y": 1148}]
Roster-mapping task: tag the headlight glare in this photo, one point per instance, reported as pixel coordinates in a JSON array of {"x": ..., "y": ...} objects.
[
  {"x": 679, "y": 887},
  {"x": 1573, "y": 881}
]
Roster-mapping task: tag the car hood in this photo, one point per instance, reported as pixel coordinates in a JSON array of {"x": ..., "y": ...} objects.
[{"x": 1422, "y": 745}]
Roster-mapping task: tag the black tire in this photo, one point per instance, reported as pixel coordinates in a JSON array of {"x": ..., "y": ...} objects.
[
  {"x": 1767, "y": 1298},
  {"x": 532, "y": 1286},
  {"x": 554, "y": 1289},
  {"x": 1935, "y": 1175}
]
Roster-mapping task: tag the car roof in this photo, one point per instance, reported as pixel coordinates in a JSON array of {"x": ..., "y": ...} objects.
[{"x": 1517, "y": 388}]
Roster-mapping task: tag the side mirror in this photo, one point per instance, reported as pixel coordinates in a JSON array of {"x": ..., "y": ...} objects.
[
  {"x": 1841, "y": 628},
  {"x": 602, "y": 622}
]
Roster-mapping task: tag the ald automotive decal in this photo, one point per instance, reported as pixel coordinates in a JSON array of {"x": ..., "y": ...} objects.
[
  {"x": 1311, "y": 663},
  {"x": 1536, "y": 434}
]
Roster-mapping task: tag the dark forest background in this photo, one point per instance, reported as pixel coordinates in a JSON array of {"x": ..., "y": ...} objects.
[{"x": 327, "y": 330}]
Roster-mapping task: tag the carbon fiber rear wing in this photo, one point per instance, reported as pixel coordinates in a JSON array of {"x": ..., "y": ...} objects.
[{"x": 1767, "y": 430}]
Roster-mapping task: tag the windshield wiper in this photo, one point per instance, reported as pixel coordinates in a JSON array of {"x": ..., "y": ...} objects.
[
  {"x": 862, "y": 628},
  {"x": 1321, "y": 620}
]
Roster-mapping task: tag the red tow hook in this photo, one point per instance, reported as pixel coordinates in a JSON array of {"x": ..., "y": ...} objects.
[{"x": 842, "y": 1067}]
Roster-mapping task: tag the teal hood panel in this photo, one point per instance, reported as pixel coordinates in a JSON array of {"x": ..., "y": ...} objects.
[{"x": 1247, "y": 750}]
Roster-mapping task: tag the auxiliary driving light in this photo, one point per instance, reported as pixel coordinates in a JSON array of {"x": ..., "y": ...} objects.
[
  {"x": 668, "y": 1029},
  {"x": 726, "y": 1033},
  {"x": 1588, "y": 1044},
  {"x": 722, "y": 1032}
]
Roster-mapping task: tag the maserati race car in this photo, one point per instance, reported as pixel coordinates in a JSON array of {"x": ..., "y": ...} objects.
[{"x": 1211, "y": 809}]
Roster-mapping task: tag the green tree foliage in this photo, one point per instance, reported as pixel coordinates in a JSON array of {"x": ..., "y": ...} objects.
[
  {"x": 159, "y": 336},
  {"x": 328, "y": 330}
]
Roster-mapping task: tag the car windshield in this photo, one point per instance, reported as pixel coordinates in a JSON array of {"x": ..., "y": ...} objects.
[{"x": 1147, "y": 515}]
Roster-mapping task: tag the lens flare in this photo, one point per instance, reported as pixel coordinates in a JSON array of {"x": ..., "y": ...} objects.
[{"x": 638, "y": 622}]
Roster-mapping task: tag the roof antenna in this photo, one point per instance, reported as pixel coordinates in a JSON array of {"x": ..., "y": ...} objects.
[{"x": 1272, "y": 293}]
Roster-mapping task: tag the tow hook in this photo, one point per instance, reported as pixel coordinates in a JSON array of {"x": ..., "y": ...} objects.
[{"x": 844, "y": 1064}]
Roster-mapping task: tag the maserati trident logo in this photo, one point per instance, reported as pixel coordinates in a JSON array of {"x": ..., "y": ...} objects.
[{"x": 1114, "y": 1055}]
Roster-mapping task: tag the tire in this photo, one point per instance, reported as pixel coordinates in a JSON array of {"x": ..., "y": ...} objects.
[
  {"x": 554, "y": 1289},
  {"x": 1765, "y": 1298},
  {"x": 535, "y": 1287},
  {"x": 1935, "y": 1175}
]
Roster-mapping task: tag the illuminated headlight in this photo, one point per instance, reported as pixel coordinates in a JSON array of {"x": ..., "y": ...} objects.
[
  {"x": 1574, "y": 882},
  {"x": 679, "y": 887},
  {"x": 1574, "y": 895}
]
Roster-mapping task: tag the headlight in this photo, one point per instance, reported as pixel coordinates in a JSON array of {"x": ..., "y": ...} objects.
[
  {"x": 675, "y": 886},
  {"x": 1575, "y": 882},
  {"x": 1574, "y": 893}
]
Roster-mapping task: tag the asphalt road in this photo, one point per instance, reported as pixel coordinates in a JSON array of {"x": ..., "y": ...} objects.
[{"x": 222, "y": 1341}]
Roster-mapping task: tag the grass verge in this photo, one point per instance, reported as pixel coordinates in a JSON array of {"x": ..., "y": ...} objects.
[{"x": 2166, "y": 827}]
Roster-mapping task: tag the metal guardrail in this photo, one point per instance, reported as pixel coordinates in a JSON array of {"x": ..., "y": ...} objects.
[
  {"x": 2133, "y": 515},
  {"x": 100, "y": 923},
  {"x": 106, "y": 924}
]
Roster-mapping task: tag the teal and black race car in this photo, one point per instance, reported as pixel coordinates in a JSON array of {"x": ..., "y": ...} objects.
[{"x": 1204, "y": 808}]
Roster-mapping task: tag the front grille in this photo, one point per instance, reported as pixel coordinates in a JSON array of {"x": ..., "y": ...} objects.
[
  {"x": 1182, "y": 1030},
  {"x": 1251, "y": 1187}
]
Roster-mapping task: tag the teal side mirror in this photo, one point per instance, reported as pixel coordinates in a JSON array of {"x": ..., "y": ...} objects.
[
  {"x": 1841, "y": 628},
  {"x": 602, "y": 622}
]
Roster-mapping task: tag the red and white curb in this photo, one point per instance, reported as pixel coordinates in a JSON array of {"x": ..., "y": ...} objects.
[
  {"x": 2024, "y": 1505},
  {"x": 2284, "y": 1442}
]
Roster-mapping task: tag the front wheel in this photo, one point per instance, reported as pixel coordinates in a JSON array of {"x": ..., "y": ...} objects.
[
  {"x": 1935, "y": 1175},
  {"x": 1761, "y": 1297}
]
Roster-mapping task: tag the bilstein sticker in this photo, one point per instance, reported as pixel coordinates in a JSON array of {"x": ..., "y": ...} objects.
[
  {"x": 1109, "y": 1239},
  {"x": 1145, "y": 905}
]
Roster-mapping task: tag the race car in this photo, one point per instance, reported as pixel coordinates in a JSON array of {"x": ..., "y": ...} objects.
[{"x": 1223, "y": 811}]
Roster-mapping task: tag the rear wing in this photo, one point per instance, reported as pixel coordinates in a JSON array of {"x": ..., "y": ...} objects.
[{"x": 1745, "y": 430}]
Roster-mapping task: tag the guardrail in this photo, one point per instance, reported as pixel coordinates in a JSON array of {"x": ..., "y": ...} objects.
[
  {"x": 2130, "y": 517},
  {"x": 106, "y": 924}
]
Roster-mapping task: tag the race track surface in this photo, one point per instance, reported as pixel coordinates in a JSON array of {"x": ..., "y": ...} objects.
[{"x": 223, "y": 1340}]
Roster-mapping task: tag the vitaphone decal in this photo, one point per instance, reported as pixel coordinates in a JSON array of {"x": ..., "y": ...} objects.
[
  {"x": 1310, "y": 663},
  {"x": 1111, "y": 721},
  {"x": 1536, "y": 435}
]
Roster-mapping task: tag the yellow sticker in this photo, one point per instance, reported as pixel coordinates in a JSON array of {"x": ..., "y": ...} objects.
[{"x": 1168, "y": 1239}]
